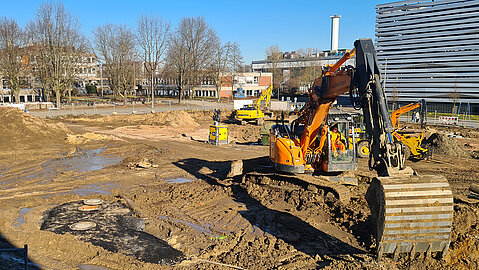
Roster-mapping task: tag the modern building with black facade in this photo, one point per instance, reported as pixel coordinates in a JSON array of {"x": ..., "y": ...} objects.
[{"x": 430, "y": 49}]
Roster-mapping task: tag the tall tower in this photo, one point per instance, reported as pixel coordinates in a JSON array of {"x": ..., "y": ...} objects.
[{"x": 334, "y": 32}]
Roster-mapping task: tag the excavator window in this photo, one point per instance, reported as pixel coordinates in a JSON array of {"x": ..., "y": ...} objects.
[{"x": 341, "y": 144}]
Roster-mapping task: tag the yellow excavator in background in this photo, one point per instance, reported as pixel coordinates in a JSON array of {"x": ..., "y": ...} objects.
[
  {"x": 412, "y": 142},
  {"x": 411, "y": 213},
  {"x": 253, "y": 112}
]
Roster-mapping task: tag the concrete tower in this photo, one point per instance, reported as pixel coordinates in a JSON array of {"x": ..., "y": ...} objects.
[{"x": 334, "y": 32}]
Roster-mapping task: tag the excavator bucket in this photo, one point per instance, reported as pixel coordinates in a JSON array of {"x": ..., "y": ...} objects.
[{"x": 411, "y": 214}]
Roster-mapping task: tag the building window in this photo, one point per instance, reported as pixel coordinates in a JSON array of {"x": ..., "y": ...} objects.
[
  {"x": 249, "y": 92},
  {"x": 249, "y": 80},
  {"x": 256, "y": 80}
]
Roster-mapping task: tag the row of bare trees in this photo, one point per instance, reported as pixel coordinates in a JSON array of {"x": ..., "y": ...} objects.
[
  {"x": 55, "y": 44},
  {"x": 51, "y": 46}
]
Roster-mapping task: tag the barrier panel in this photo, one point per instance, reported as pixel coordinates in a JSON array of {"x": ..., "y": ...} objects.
[{"x": 448, "y": 120}]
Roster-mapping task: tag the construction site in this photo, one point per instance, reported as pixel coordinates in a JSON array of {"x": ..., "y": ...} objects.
[
  {"x": 355, "y": 176},
  {"x": 171, "y": 200}
]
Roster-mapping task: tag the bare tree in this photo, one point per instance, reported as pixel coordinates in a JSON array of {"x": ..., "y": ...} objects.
[
  {"x": 395, "y": 96},
  {"x": 274, "y": 54},
  {"x": 228, "y": 58},
  {"x": 191, "y": 51},
  {"x": 454, "y": 96},
  {"x": 308, "y": 74},
  {"x": 11, "y": 42},
  {"x": 60, "y": 47},
  {"x": 115, "y": 44},
  {"x": 151, "y": 36}
]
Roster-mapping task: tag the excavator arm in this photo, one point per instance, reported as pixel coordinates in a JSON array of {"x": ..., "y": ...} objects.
[
  {"x": 266, "y": 96},
  {"x": 397, "y": 113}
]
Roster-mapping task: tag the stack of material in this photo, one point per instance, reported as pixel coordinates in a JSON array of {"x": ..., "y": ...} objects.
[{"x": 474, "y": 192}]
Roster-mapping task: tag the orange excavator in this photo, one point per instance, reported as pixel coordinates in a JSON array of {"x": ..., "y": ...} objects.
[{"x": 411, "y": 213}]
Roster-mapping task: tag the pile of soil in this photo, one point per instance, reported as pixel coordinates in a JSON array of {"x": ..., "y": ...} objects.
[
  {"x": 170, "y": 118},
  {"x": 441, "y": 144},
  {"x": 21, "y": 130}
]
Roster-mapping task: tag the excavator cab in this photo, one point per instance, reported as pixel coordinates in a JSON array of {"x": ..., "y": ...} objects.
[{"x": 341, "y": 147}]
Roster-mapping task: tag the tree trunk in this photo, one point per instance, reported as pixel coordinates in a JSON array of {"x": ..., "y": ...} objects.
[
  {"x": 152, "y": 93},
  {"x": 70, "y": 95},
  {"x": 17, "y": 96},
  {"x": 57, "y": 94}
]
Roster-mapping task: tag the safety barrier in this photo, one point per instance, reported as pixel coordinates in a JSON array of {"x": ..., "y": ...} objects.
[{"x": 448, "y": 120}]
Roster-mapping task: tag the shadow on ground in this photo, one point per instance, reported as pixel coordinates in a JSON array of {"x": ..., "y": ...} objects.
[
  {"x": 13, "y": 259},
  {"x": 293, "y": 230}
]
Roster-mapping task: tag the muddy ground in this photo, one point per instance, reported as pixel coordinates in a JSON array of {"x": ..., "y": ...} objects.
[{"x": 160, "y": 167}]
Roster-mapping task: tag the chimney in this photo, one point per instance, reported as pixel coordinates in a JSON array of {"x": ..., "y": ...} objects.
[{"x": 334, "y": 32}]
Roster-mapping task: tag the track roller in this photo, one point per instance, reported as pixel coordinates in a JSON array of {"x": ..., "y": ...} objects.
[{"x": 411, "y": 214}]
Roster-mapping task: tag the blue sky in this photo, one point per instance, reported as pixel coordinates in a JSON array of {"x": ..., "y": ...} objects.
[{"x": 255, "y": 25}]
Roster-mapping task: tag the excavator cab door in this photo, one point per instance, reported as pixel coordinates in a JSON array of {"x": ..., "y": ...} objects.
[{"x": 341, "y": 147}]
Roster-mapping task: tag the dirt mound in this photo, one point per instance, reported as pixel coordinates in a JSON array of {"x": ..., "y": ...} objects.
[
  {"x": 441, "y": 144},
  {"x": 170, "y": 118},
  {"x": 21, "y": 130}
]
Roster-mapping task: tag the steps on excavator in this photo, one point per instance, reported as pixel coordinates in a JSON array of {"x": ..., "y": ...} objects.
[{"x": 411, "y": 214}]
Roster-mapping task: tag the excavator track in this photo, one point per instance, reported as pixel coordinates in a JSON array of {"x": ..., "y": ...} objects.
[
  {"x": 411, "y": 214},
  {"x": 340, "y": 191}
]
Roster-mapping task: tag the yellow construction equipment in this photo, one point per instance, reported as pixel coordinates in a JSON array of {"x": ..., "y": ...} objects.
[
  {"x": 412, "y": 141},
  {"x": 218, "y": 133},
  {"x": 411, "y": 213},
  {"x": 253, "y": 112}
]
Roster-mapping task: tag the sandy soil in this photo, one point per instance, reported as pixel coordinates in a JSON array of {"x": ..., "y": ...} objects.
[{"x": 160, "y": 167}]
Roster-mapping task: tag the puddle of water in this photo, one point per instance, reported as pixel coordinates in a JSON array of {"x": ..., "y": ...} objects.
[
  {"x": 189, "y": 224},
  {"x": 178, "y": 180},
  {"x": 84, "y": 160},
  {"x": 21, "y": 216}
]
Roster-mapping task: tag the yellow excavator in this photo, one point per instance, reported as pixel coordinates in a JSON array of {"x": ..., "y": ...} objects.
[
  {"x": 412, "y": 142},
  {"x": 411, "y": 213},
  {"x": 253, "y": 112}
]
